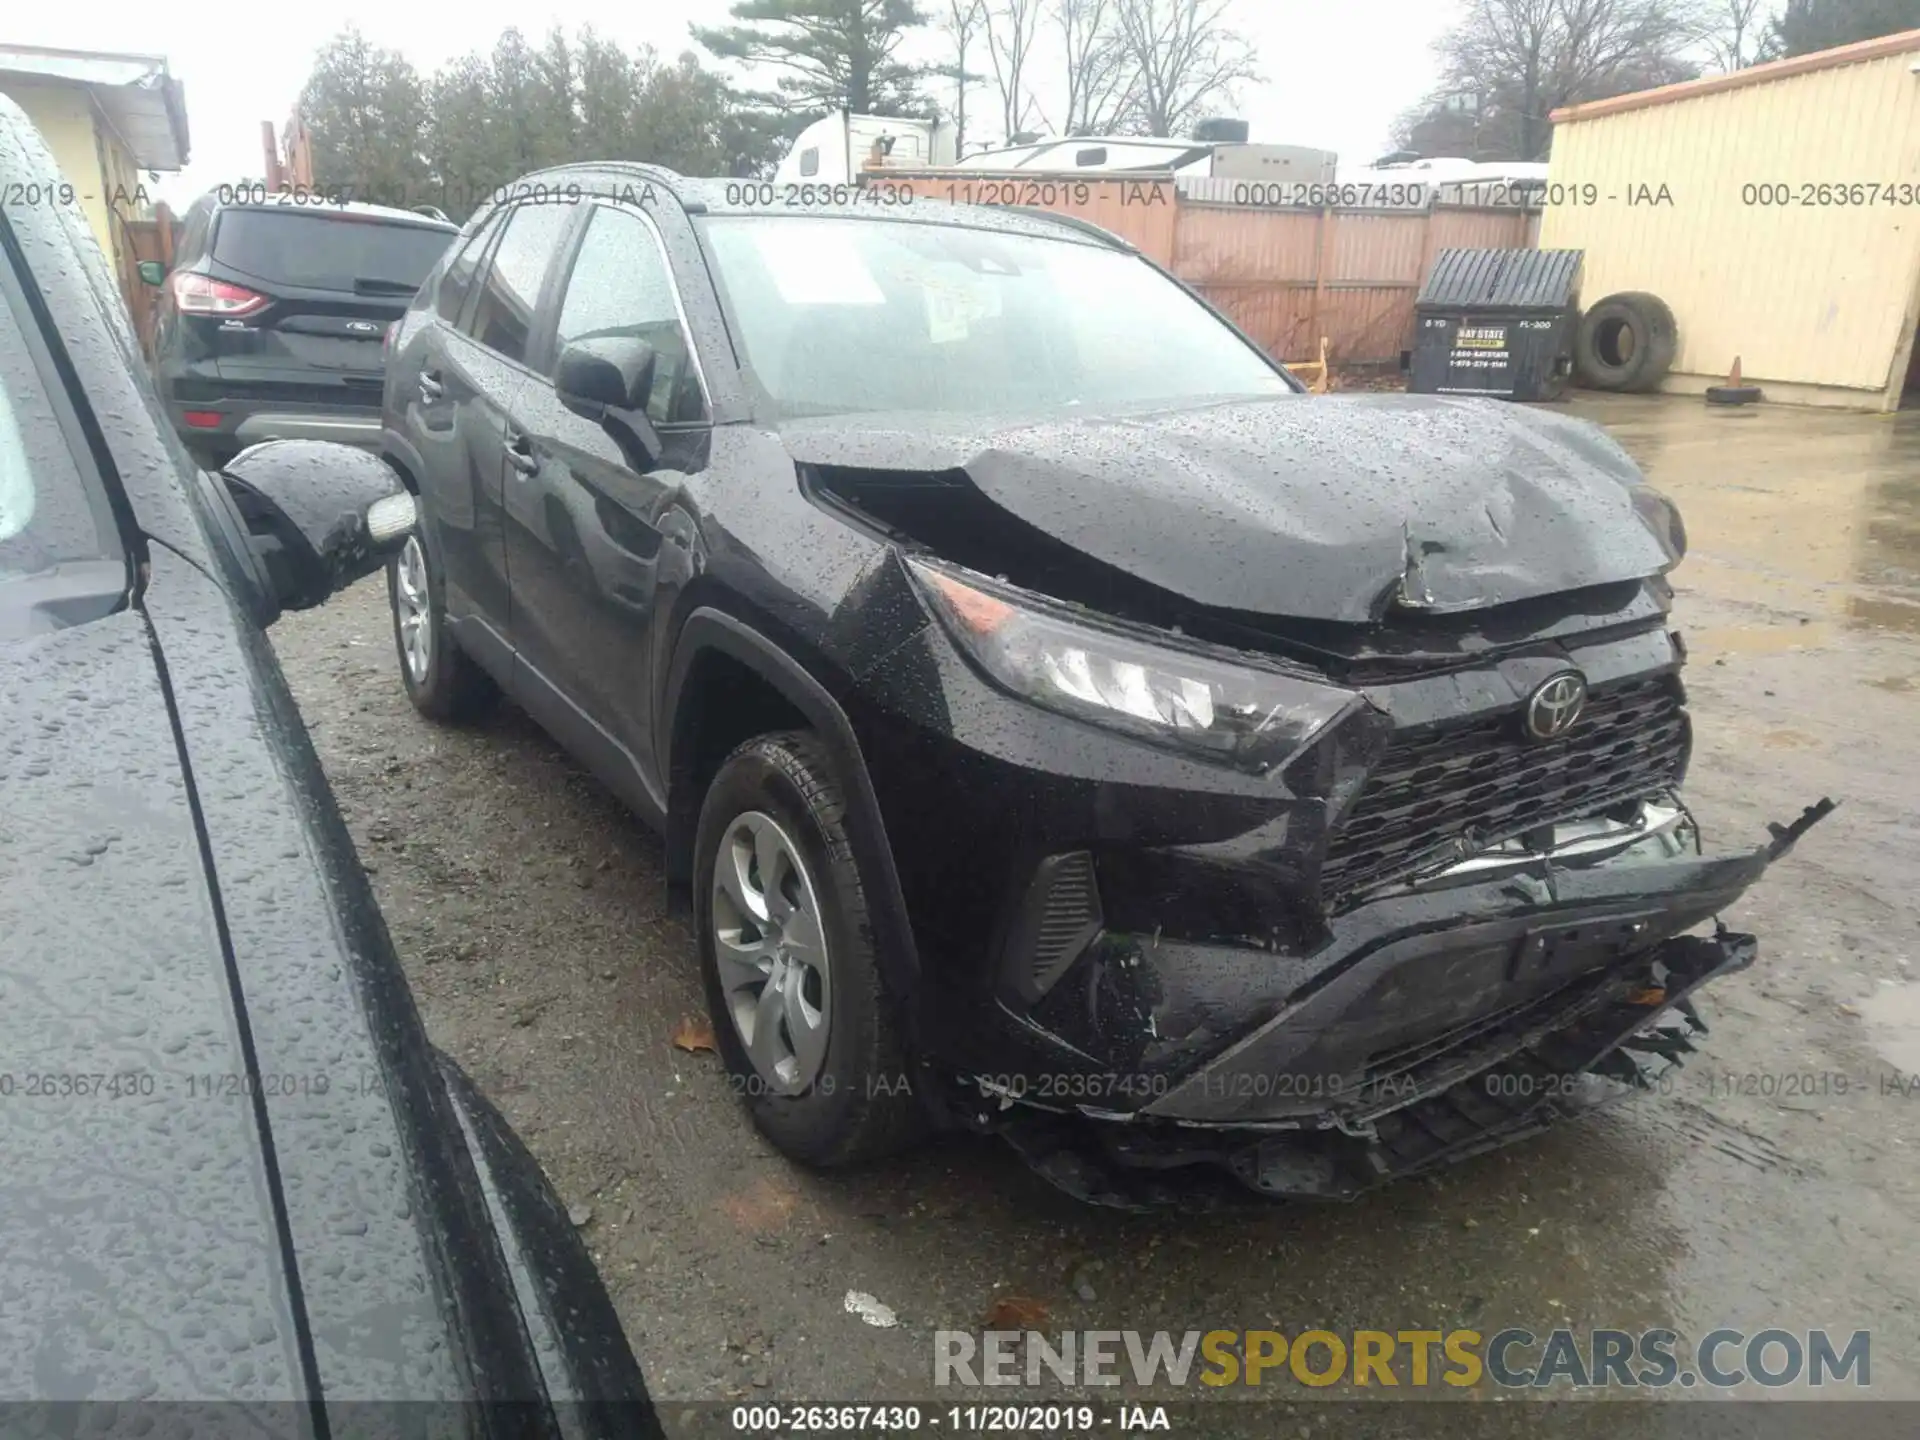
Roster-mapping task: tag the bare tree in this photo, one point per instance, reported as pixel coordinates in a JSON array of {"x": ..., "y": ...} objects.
[
  {"x": 1734, "y": 31},
  {"x": 1186, "y": 56},
  {"x": 962, "y": 25},
  {"x": 1011, "y": 26},
  {"x": 1530, "y": 57},
  {"x": 1101, "y": 81}
]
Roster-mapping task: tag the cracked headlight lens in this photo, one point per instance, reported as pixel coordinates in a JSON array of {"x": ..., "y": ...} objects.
[{"x": 1199, "y": 700}]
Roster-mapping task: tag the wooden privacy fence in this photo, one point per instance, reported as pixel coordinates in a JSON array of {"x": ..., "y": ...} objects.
[
  {"x": 1287, "y": 275},
  {"x": 144, "y": 240}
]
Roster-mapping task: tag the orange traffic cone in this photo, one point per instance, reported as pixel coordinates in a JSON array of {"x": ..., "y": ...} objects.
[{"x": 1735, "y": 391}]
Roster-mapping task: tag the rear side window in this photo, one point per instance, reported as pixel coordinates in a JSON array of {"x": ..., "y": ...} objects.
[
  {"x": 457, "y": 278},
  {"x": 319, "y": 251},
  {"x": 193, "y": 239},
  {"x": 501, "y": 319}
]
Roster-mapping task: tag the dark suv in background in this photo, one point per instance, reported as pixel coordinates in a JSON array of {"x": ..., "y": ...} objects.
[{"x": 273, "y": 321}]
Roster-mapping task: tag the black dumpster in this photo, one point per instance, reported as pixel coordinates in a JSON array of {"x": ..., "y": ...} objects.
[{"x": 1496, "y": 322}]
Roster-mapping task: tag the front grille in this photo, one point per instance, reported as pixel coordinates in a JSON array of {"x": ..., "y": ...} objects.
[{"x": 1485, "y": 776}]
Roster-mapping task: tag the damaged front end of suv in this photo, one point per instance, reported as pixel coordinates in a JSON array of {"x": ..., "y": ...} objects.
[
  {"x": 1313, "y": 792},
  {"x": 1275, "y": 784}
]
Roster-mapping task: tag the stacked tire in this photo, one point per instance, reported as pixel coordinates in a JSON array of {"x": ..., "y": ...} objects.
[{"x": 1625, "y": 343}]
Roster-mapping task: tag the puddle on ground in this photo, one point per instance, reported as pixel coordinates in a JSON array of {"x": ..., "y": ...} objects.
[
  {"x": 1708, "y": 641},
  {"x": 1893, "y": 1025},
  {"x": 1867, "y": 612},
  {"x": 1790, "y": 497},
  {"x": 1898, "y": 684}
]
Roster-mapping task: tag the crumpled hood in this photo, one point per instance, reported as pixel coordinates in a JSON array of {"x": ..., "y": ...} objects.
[{"x": 1324, "y": 509}]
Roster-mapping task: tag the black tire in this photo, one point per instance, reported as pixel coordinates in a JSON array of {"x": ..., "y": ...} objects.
[
  {"x": 859, "y": 1106},
  {"x": 1625, "y": 343},
  {"x": 453, "y": 688},
  {"x": 1732, "y": 394}
]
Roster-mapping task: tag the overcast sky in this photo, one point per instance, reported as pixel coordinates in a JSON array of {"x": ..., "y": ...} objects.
[{"x": 1335, "y": 74}]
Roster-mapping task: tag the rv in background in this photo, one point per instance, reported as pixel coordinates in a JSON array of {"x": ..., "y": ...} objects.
[
  {"x": 1455, "y": 178},
  {"x": 836, "y": 148},
  {"x": 1217, "y": 164}
]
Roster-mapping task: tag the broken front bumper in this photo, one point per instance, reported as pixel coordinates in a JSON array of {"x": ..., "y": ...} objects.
[{"x": 1565, "y": 989}]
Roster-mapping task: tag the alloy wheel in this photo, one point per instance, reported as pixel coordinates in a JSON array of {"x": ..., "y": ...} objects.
[
  {"x": 414, "y": 610},
  {"x": 770, "y": 948}
]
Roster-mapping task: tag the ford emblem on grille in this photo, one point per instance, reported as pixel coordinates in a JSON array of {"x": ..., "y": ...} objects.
[{"x": 1555, "y": 705}]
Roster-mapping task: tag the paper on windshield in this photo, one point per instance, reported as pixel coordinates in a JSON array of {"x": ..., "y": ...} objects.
[
  {"x": 953, "y": 305},
  {"x": 815, "y": 265}
]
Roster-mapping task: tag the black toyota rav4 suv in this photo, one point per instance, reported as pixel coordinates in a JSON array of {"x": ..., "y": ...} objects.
[
  {"x": 272, "y": 323},
  {"x": 1064, "y": 724}
]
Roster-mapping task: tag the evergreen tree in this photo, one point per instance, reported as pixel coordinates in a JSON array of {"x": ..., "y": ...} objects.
[
  {"x": 827, "y": 53},
  {"x": 1809, "y": 25}
]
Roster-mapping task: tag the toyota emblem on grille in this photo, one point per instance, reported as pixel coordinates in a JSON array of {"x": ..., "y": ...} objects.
[{"x": 1555, "y": 705}]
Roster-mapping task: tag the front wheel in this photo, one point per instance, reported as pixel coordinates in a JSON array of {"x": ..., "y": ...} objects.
[
  {"x": 440, "y": 678},
  {"x": 800, "y": 1016}
]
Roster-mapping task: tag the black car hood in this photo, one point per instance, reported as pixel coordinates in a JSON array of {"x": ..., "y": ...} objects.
[{"x": 1332, "y": 508}]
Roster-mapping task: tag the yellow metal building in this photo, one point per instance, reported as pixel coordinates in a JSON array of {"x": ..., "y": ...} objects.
[
  {"x": 1776, "y": 210},
  {"x": 109, "y": 119}
]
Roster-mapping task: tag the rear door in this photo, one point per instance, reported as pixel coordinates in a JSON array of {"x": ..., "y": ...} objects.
[
  {"x": 329, "y": 282},
  {"x": 457, "y": 398},
  {"x": 432, "y": 378}
]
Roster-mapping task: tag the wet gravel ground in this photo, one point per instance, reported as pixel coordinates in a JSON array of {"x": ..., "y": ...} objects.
[{"x": 530, "y": 913}]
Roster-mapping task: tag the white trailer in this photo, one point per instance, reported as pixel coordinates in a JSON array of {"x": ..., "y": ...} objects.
[{"x": 834, "y": 149}]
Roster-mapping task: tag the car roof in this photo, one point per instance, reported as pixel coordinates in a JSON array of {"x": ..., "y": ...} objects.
[
  {"x": 351, "y": 209},
  {"x": 702, "y": 195}
]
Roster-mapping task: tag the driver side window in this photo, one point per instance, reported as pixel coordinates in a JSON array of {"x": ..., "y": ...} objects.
[{"x": 620, "y": 285}]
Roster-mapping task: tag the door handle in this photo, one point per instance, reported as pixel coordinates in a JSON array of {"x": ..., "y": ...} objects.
[
  {"x": 520, "y": 453},
  {"x": 430, "y": 386}
]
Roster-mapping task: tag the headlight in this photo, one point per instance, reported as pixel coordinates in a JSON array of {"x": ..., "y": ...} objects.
[
  {"x": 1662, "y": 517},
  {"x": 1251, "y": 718}
]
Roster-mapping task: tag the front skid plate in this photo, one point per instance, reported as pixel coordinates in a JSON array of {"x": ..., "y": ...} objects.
[{"x": 1609, "y": 1051}]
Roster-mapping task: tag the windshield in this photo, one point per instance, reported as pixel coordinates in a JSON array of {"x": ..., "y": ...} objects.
[
  {"x": 842, "y": 315},
  {"x": 328, "y": 252}
]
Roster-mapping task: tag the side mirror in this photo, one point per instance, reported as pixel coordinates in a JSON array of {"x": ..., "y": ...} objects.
[
  {"x": 318, "y": 516},
  {"x": 152, "y": 272},
  {"x": 610, "y": 379}
]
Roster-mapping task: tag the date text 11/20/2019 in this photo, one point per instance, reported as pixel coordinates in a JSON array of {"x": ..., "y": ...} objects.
[{"x": 959, "y": 1419}]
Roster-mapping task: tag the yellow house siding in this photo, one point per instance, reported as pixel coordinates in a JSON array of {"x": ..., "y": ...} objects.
[
  {"x": 122, "y": 184},
  {"x": 64, "y": 116},
  {"x": 1809, "y": 294}
]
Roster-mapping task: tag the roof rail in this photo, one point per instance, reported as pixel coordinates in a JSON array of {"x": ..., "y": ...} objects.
[
  {"x": 607, "y": 165},
  {"x": 1073, "y": 222}
]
